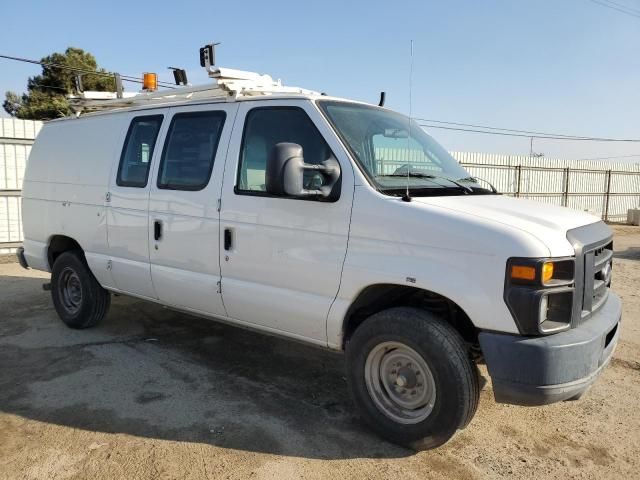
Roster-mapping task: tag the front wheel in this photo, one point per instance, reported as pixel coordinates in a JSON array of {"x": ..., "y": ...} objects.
[{"x": 411, "y": 377}]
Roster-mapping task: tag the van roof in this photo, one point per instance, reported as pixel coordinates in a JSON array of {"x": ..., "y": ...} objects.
[{"x": 160, "y": 104}]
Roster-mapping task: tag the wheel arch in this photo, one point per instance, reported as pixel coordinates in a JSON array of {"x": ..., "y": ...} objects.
[
  {"x": 58, "y": 244},
  {"x": 377, "y": 297}
]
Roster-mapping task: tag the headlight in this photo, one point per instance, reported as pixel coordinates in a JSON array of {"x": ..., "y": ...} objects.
[{"x": 539, "y": 293}]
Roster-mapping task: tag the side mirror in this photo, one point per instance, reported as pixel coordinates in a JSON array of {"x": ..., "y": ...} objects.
[{"x": 285, "y": 172}]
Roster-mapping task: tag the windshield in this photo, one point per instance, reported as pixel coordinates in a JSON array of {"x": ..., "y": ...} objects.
[{"x": 393, "y": 154}]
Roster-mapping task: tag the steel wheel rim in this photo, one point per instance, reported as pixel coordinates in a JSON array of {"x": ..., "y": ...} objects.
[
  {"x": 70, "y": 290},
  {"x": 400, "y": 382}
]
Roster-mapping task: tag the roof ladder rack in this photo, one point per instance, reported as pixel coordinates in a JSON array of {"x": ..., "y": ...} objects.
[{"x": 229, "y": 84}]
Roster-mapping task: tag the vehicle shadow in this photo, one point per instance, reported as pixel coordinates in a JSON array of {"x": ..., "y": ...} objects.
[
  {"x": 631, "y": 253},
  {"x": 151, "y": 372}
]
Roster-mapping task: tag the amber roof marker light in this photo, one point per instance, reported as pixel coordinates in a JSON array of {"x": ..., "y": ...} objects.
[{"x": 149, "y": 81}]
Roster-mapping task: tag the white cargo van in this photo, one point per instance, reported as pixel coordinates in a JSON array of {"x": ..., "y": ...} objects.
[{"x": 331, "y": 222}]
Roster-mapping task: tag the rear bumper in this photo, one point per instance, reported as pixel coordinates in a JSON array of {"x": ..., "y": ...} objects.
[
  {"x": 21, "y": 259},
  {"x": 543, "y": 370}
]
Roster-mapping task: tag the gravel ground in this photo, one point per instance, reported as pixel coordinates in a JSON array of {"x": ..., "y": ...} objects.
[{"x": 152, "y": 393}]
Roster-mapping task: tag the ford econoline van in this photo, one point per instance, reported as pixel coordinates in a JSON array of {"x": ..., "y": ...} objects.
[{"x": 332, "y": 222}]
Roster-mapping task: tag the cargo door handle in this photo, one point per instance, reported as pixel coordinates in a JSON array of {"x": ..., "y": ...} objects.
[
  {"x": 227, "y": 239},
  {"x": 157, "y": 229}
]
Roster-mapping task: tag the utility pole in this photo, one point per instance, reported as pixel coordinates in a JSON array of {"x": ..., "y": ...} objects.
[
  {"x": 531, "y": 148},
  {"x": 531, "y": 153}
]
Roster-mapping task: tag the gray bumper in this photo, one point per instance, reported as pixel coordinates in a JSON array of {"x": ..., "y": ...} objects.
[{"x": 542, "y": 370}]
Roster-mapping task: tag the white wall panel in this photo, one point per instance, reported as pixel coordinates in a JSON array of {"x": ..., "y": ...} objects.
[
  {"x": 10, "y": 220},
  {"x": 16, "y": 137}
]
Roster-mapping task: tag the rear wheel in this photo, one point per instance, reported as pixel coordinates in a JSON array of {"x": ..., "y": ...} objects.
[
  {"x": 79, "y": 299},
  {"x": 411, "y": 377}
]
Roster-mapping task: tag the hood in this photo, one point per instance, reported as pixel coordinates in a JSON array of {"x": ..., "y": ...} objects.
[{"x": 548, "y": 223}]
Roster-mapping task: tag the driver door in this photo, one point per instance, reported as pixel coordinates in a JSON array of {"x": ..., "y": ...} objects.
[{"x": 282, "y": 258}]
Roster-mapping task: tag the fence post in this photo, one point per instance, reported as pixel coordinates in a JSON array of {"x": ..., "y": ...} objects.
[
  {"x": 607, "y": 195},
  {"x": 565, "y": 193},
  {"x": 518, "y": 179}
]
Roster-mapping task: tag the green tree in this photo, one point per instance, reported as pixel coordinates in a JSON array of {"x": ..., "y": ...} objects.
[{"x": 46, "y": 93}]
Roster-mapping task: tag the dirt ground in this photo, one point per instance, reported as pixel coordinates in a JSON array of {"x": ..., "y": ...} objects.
[{"x": 152, "y": 393}]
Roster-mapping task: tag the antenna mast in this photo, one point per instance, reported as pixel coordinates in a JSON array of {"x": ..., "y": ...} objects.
[{"x": 407, "y": 196}]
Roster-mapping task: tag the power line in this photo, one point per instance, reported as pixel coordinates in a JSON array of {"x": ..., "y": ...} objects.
[
  {"x": 48, "y": 86},
  {"x": 126, "y": 78},
  {"x": 607, "y": 158},
  {"x": 528, "y": 133},
  {"x": 62, "y": 67},
  {"x": 548, "y": 137},
  {"x": 616, "y": 6},
  {"x": 626, "y": 7},
  {"x": 485, "y": 127}
]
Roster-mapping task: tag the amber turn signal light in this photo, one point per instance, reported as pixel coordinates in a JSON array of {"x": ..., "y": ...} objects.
[{"x": 520, "y": 272}]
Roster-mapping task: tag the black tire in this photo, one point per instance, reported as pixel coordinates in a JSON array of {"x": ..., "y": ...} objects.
[
  {"x": 77, "y": 296},
  {"x": 451, "y": 369}
]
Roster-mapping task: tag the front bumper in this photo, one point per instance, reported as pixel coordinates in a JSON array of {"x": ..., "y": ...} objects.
[{"x": 543, "y": 370}]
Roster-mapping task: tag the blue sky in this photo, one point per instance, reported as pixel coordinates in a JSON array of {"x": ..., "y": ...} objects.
[{"x": 566, "y": 66}]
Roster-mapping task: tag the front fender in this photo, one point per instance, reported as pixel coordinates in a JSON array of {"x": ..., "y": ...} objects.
[{"x": 477, "y": 290}]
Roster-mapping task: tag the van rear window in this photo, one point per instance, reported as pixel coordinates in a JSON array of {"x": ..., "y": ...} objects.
[{"x": 137, "y": 152}]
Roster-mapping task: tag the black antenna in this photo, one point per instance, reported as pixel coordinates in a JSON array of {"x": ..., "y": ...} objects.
[
  {"x": 407, "y": 195},
  {"x": 383, "y": 96}
]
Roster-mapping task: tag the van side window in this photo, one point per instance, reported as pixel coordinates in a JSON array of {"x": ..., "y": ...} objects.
[
  {"x": 265, "y": 127},
  {"x": 190, "y": 150},
  {"x": 137, "y": 153}
]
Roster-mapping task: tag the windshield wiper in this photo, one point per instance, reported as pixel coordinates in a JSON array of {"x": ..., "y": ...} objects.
[
  {"x": 475, "y": 180},
  {"x": 430, "y": 176}
]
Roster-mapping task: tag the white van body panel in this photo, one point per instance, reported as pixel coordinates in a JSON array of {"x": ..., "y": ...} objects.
[
  {"x": 548, "y": 223},
  {"x": 65, "y": 186}
]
